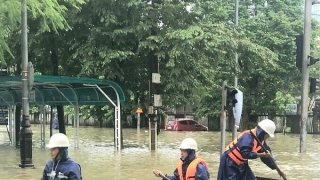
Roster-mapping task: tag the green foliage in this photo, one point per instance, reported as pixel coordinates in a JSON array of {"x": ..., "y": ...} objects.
[
  {"x": 274, "y": 26},
  {"x": 98, "y": 113},
  {"x": 282, "y": 100},
  {"x": 315, "y": 70},
  {"x": 49, "y": 14},
  {"x": 194, "y": 41},
  {"x": 34, "y": 109}
]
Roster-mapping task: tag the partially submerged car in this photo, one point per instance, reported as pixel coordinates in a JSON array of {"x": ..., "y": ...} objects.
[{"x": 182, "y": 124}]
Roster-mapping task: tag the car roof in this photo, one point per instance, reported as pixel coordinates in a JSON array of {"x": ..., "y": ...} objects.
[{"x": 183, "y": 119}]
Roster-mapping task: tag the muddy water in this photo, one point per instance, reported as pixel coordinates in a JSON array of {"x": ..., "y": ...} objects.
[{"x": 98, "y": 160}]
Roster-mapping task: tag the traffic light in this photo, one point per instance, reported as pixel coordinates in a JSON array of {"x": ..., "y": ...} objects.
[
  {"x": 299, "y": 52},
  {"x": 313, "y": 81},
  {"x": 231, "y": 97},
  {"x": 313, "y": 84}
]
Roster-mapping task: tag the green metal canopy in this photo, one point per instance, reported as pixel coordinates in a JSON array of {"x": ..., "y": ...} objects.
[{"x": 61, "y": 90}]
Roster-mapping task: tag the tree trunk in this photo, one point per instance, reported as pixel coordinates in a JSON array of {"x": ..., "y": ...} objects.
[
  {"x": 62, "y": 128},
  {"x": 101, "y": 123},
  {"x": 55, "y": 72},
  {"x": 244, "y": 120}
]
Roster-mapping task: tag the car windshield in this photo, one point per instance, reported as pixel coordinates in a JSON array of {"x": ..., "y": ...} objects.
[{"x": 171, "y": 122}]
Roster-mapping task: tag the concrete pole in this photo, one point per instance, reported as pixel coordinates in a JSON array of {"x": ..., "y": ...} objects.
[
  {"x": 138, "y": 122},
  {"x": 305, "y": 76},
  {"x": 25, "y": 132},
  {"x": 234, "y": 130},
  {"x": 223, "y": 118}
]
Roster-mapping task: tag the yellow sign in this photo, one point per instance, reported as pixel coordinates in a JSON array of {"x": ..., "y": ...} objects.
[{"x": 139, "y": 110}]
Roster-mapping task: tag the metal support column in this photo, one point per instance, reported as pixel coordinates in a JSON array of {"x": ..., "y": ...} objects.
[
  {"x": 153, "y": 140},
  {"x": 43, "y": 119},
  {"x": 76, "y": 126},
  {"x": 9, "y": 123},
  {"x": 118, "y": 120},
  {"x": 117, "y": 129},
  {"x": 13, "y": 125},
  {"x": 223, "y": 118},
  {"x": 117, "y": 115}
]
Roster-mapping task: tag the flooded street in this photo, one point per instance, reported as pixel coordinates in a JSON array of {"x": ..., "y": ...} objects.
[{"x": 98, "y": 160}]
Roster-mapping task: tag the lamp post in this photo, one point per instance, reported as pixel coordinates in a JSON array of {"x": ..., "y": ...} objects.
[{"x": 25, "y": 132}]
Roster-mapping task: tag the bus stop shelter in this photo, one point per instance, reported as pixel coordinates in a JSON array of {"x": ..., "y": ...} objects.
[{"x": 63, "y": 90}]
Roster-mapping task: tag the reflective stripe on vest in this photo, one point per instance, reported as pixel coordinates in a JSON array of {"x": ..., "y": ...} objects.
[
  {"x": 235, "y": 154},
  {"x": 191, "y": 169}
]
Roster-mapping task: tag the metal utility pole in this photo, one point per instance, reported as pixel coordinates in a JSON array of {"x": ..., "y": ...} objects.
[
  {"x": 305, "y": 75},
  {"x": 25, "y": 132},
  {"x": 154, "y": 98},
  {"x": 223, "y": 118},
  {"x": 234, "y": 129},
  {"x": 152, "y": 111}
]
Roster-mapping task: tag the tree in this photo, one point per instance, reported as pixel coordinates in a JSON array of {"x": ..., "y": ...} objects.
[
  {"x": 50, "y": 15},
  {"x": 273, "y": 25},
  {"x": 195, "y": 43}
]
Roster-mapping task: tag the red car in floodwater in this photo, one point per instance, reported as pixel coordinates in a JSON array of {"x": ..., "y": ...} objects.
[{"x": 184, "y": 125}]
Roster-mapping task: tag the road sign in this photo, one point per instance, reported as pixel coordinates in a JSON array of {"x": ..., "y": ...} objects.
[
  {"x": 237, "y": 110},
  {"x": 291, "y": 109},
  {"x": 139, "y": 110}
]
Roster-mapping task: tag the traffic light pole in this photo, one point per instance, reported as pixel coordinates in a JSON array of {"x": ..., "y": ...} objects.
[
  {"x": 305, "y": 76},
  {"x": 223, "y": 117}
]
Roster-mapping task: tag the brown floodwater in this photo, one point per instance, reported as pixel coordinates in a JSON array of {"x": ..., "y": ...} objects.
[{"x": 99, "y": 161}]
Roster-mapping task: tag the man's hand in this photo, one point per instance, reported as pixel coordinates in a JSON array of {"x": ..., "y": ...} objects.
[
  {"x": 158, "y": 173},
  {"x": 282, "y": 174},
  {"x": 264, "y": 154}
]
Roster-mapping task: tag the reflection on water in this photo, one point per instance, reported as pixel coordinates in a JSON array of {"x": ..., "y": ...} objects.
[{"x": 98, "y": 160}]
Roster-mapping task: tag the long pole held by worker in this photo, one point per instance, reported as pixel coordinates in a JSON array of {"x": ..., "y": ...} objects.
[{"x": 271, "y": 158}]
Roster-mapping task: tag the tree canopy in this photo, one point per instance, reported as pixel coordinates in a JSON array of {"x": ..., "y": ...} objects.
[{"x": 194, "y": 41}]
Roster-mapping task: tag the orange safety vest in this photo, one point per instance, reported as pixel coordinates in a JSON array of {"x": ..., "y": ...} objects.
[
  {"x": 191, "y": 169},
  {"x": 235, "y": 154}
]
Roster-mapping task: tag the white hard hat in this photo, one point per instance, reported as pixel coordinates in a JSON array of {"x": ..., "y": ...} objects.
[
  {"x": 58, "y": 140},
  {"x": 268, "y": 126},
  {"x": 189, "y": 143}
]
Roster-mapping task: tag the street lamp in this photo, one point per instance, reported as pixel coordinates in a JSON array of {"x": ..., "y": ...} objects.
[{"x": 25, "y": 132}]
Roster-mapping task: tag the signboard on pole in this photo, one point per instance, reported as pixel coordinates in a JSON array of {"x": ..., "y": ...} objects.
[
  {"x": 291, "y": 109},
  {"x": 237, "y": 110}
]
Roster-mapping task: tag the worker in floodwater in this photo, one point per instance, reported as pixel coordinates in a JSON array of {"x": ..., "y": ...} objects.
[
  {"x": 234, "y": 161},
  {"x": 189, "y": 166}
]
